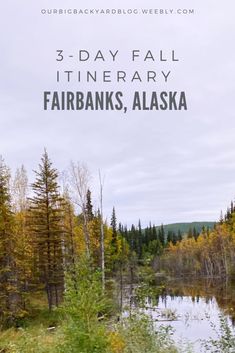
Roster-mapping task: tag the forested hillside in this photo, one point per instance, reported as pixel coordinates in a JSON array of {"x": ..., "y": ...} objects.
[
  {"x": 211, "y": 253},
  {"x": 188, "y": 227}
]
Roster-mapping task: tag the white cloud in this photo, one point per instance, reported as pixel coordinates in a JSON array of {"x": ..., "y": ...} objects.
[{"x": 159, "y": 166}]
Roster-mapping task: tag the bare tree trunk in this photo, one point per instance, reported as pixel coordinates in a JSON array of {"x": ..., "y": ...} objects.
[
  {"x": 121, "y": 287},
  {"x": 86, "y": 232},
  {"x": 131, "y": 286},
  {"x": 79, "y": 177},
  {"x": 102, "y": 235}
]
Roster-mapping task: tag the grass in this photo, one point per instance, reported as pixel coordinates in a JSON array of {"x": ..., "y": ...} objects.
[
  {"x": 33, "y": 333},
  {"x": 87, "y": 323},
  {"x": 53, "y": 332},
  {"x": 76, "y": 328},
  {"x": 132, "y": 335}
]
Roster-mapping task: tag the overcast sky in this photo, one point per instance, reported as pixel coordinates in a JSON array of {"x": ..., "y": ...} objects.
[{"x": 159, "y": 166}]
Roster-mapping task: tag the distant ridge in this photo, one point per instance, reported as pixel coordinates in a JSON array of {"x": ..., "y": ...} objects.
[{"x": 184, "y": 227}]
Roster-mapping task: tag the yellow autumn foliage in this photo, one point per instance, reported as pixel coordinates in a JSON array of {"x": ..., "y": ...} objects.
[{"x": 116, "y": 341}]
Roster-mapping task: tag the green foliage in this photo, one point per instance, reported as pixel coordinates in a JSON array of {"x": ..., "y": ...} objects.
[
  {"x": 226, "y": 341},
  {"x": 139, "y": 336},
  {"x": 89, "y": 206},
  {"x": 147, "y": 289},
  {"x": 185, "y": 227},
  {"x": 210, "y": 254},
  {"x": 147, "y": 275},
  {"x": 155, "y": 247},
  {"x": 149, "y": 293},
  {"x": 29, "y": 341},
  {"x": 47, "y": 230},
  {"x": 10, "y": 298},
  {"x": 85, "y": 308},
  {"x": 113, "y": 224},
  {"x": 131, "y": 335},
  {"x": 85, "y": 324}
]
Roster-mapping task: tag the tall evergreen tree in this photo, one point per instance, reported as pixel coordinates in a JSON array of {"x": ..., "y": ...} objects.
[
  {"x": 232, "y": 207},
  {"x": 140, "y": 242},
  {"x": 169, "y": 236},
  {"x": 179, "y": 235},
  {"x": 114, "y": 231},
  {"x": 190, "y": 233},
  {"x": 154, "y": 232},
  {"x": 147, "y": 236},
  {"x": 150, "y": 232},
  {"x": 195, "y": 233},
  {"x": 46, "y": 216},
  {"x": 131, "y": 236},
  {"x": 89, "y": 206},
  {"x": 161, "y": 235},
  {"x": 174, "y": 238}
]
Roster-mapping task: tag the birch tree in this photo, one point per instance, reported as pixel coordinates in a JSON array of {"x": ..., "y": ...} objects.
[
  {"x": 79, "y": 177},
  {"x": 102, "y": 232},
  {"x": 23, "y": 241}
]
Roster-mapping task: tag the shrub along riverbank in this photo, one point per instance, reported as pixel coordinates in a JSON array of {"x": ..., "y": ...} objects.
[{"x": 86, "y": 322}]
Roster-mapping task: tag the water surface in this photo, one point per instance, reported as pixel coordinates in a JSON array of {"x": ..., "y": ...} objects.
[{"x": 193, "y": 308}]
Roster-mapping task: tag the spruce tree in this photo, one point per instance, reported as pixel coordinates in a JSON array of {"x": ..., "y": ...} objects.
[
  {"x": 190, "y": 233},
  {"x": 154, "y": 232},
  {"x": 174, "y": 238},
  {"x": 146, "y": 236},
  {"x": 46, "y": 215},
  {"x": 114, "y": 232},
  {"x": 179, "y": 235},
  {"x": 161, "y": 235},
  {"x": 89, "y": 207},
  {"x": 232, "y": 207},
  {"x": 195, "y": 233},
  {"x": 133, "y": 238},
  {"x": 120, "y": 228},
  {"x": 169, "y": 236},
  {"x": 140, "y": 242}
]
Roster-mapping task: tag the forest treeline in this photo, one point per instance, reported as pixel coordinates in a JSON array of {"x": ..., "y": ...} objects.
[
  {"x": 211, "y": 253},
  {"x": 45, "y": 227},
  {"x": 55, "y": 248},
  {"x": 153, "y": 240}
]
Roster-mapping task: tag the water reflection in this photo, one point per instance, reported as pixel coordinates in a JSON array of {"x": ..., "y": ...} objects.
[
  {"x": 193, "y": 309},
  {"x": 208, "y": 289}
]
